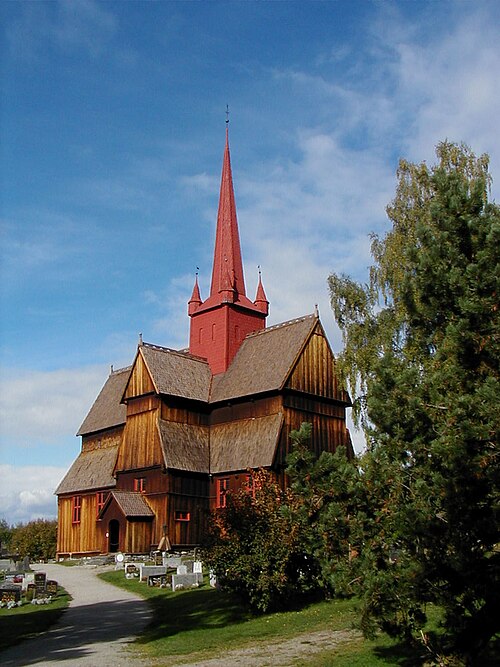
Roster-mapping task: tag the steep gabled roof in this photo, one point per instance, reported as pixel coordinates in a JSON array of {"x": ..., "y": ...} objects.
[
  {"x": 264, "y": 360},
  {"x": 131, "y": 503},
  {"x": 185, "y": 446},
  {"x": 247, "y": 443},
  {"x": 176, "y": 373},
  {"x": 91, "y": 470},
  {"x": 107, "y": 410}
]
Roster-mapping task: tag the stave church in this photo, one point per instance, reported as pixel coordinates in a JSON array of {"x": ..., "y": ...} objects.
[{"x": 168, "y": 437}]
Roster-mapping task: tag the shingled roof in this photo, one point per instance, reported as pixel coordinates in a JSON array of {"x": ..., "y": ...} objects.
[
  {"x": 264, "y": 360},
  {"x": 185, "y": 446},
  {"x": 131, "y": 503},
  {"x": 247, "y": 443},
  {"x": 107, "y": 410},
  {"x": 91, "y": 470},
  {"x": 177, "y": 373}
]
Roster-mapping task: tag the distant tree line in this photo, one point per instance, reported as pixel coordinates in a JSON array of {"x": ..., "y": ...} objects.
[
  {"x": 36, "y": 539},
  {"x": 413, "y": 524}
]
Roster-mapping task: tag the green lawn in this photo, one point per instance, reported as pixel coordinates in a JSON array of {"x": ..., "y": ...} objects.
[
  {"x": 204, "y": 623},
  {"x": 29, "y": 620}
]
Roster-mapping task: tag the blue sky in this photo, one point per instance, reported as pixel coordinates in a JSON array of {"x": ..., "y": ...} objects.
[{"x": 112, "y": 122}]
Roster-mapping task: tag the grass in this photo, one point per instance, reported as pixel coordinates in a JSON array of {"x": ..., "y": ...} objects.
[
  {"x": 30, "y": 620},
  {"x": 205, "y": 623}
]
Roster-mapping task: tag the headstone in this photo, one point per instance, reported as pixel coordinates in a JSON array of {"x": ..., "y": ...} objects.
[
  {"x": 157, "y": 580},
  {"x": 148, "y": 570},
  {"x": 213, "y": 579},
  {"x": 197, "y": 566},
  {"x": 131, "y": 570},
  {"x": 171, "y": 562},
  {"x": 10, "y": 593},
  {"x": 26, "y": 564},
  {"x": 30, "y": 592},
  {"x": 7, "y": 564},
  {"x": 182, "y": 569},
  {"x": 40, "y": 582},
  {"x": 189, "y": 566},
  {"x": 158, "y": 558},
  {"x": 184, "y": 581},
  {"x": 29, "y": 578},
  {"x": 51, "y": 587}
]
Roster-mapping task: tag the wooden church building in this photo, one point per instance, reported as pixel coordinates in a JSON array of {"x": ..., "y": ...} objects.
[{"x": 168, "y": 437}]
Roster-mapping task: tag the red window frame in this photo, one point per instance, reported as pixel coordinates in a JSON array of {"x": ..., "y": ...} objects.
[
  {"x": 76, "y": 509},
  {"x": 100, "y": 498},
  {"x": 140, "y": 484},
  {"x": 221, "y": 489},
  {"x": 182, "y": 516}
]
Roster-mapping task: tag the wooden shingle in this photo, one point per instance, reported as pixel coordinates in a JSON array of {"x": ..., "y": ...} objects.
[
  {"x": 247, "y": 443},
  {"x": 264, "y": 360},
  {"x": 91, "y": 470},
  {"x": 185, "y": 446},
  {"x": 107, "y": 410}
]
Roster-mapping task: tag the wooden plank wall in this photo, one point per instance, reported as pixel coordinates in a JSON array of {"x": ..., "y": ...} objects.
[
  {"x": 140, "y": 446},
  {"x": 80, "y": 537},
  {"x": 140, "y": 382},
  {"x": 314, "y": 372}
]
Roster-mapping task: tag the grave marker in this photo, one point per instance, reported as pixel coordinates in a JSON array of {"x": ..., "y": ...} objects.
[{"x": 40, "y": 583}]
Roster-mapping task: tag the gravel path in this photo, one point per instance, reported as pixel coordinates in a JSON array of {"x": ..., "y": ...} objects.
[{"x": 94, "y": 631}]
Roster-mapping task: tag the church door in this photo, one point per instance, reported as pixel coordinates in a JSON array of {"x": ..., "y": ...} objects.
[{"x": 113, "y": 536}]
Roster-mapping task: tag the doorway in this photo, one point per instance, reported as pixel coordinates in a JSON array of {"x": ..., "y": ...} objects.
[{"x": 114, "y": 536}]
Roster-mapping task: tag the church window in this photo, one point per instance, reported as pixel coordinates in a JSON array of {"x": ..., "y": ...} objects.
[
  {"x": 182, "y": 516},
  {"x": 213, "y": 331},
  {"x": 76, "y": 512},
  {"x": 140, "y": 484},
  {"x": 222, "y": 486},
  {"x": 200, "y": 335},
  {"x": 101, "y": 497}
]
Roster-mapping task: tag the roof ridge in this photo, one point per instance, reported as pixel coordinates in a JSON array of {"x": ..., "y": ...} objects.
[
  {"x": 281, "y": 325},
  {"x": 115, "y": 371},
  {"x": 181, "y": 353}
]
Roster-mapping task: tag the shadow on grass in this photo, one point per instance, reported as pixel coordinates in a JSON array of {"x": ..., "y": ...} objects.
[{"x": 201, "y": 609}]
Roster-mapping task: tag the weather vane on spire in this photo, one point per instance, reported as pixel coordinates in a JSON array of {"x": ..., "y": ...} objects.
[{"x": 227, "y": 114}]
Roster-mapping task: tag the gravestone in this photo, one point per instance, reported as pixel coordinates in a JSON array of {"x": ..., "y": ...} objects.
[
  {"x": 197, "y": 566},
  {"x": 182, "y": 569},
  {"x": 212, "y": 579},
  {"x": 26, "y": 564},
  {"x": 170, "y": 561},
  {"x": 184, "y": 581},
  {"x": 149, "y": 570},
  {"x": 189, "y": 566},
  {"x": 132, "y": 569},
  {"x": 10, "y": 593},
  {"x": 158, "y": 558},
  {"x": 157, "y": 580},
  {"x": 40, "y": 583},
  {"x": 30, "y": 592},
  {"x": 51, "y": 587}
]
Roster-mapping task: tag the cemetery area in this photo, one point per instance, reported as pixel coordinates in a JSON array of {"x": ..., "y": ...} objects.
[{"x": 29, "y": 602}]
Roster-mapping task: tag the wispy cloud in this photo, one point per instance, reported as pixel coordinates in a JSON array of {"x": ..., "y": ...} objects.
[
  {"x": 65, "y": 25},
  {"x": 27, "y": 492},
  {"x": 38, "y": 407}
]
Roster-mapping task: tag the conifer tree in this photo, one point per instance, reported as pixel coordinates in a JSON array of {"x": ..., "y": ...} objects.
[{"x": 422, "y": 356}]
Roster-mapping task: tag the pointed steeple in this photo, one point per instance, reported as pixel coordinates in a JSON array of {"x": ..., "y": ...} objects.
[
  {"x": 195, "y": 301},
  {"x": 220, "y": 324},
  {"x": 227, "y": 273},
  {"x": 261, "y": 301}
]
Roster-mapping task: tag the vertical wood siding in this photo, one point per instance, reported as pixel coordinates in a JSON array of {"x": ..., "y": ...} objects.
[
  {"x": 140, "y": 382},
  {"x": 140, "y": 446}
]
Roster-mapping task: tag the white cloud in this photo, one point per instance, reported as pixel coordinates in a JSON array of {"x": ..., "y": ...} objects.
[
  {"x": 42, "y": 406},
  {"x": 27, "y": 492}
]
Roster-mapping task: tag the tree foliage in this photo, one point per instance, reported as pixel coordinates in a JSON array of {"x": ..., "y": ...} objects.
[
  {"x": 36, "y": 539},
  {"x": 254, "y": 547},
  {"x": 422, "y": 355}
]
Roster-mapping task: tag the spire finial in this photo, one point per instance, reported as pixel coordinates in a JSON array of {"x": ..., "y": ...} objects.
[{"x": 227, "y": 114}]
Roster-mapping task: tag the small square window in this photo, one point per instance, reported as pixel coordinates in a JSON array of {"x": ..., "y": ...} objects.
[
  {"x": 76, "y": 512},
  {"x": 222, "y": 486},
  {"x": 140, "y": 484}
]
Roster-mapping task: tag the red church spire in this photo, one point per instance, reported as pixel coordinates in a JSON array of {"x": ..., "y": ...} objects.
[
  {"x": 220, "y": 324},
  {"x": 227, "y": 273}
]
